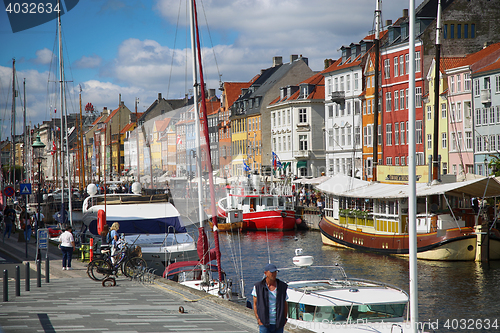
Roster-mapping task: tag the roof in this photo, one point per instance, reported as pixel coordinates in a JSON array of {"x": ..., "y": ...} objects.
[
  {"x": 346, "y": 186},
  {"x": 233, "y": 90},
  {"x": 127, "y": 128}
]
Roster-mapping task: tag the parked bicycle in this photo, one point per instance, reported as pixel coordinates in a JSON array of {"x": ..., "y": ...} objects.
[{"x": 128, "y": 261}]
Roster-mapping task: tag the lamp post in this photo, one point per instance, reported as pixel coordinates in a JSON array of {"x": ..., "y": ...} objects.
[
  {"x": 38, "y": 147},
  {"x": 485, "y": 166}
]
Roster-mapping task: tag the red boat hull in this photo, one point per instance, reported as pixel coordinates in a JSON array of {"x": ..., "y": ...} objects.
[{"x": 271, "y": 220}]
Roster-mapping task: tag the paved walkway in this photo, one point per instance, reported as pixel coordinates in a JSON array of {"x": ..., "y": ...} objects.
[{"x": 72, "y": 302}]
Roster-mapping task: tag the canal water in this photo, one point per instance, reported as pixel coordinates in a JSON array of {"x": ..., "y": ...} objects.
[{"x": 452, "y": 296}]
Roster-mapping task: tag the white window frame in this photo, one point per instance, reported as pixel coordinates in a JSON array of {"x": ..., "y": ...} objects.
[{"x": 444, "y": 140}]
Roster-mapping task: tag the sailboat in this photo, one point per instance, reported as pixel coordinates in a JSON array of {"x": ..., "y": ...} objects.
[{"x": 206, "y": 280}]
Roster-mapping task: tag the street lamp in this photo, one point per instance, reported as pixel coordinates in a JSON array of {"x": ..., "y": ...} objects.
[
  {"x": 485, "y": 166},
  {"x": 38, "y": 147}
]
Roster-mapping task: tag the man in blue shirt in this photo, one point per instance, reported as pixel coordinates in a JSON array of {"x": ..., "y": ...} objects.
[{"x": 269, "y": 302}]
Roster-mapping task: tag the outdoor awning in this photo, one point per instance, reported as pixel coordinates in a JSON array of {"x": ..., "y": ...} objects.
[{"x": 301, "y": 164}]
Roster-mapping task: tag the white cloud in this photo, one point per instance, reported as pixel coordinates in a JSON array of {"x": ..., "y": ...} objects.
[
  {"x": 93, "y": 61},
  {"x": 44, "y": 56}
]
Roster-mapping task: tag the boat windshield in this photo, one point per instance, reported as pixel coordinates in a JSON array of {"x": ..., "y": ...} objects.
[{"x": 369, "y": 312}]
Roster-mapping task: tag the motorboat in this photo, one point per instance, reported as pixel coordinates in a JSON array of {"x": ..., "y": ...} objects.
[
  {"x": 344, "y": 304},
  {"x": 264, "y": 207},
  {"x": 162, "y": 250},
  {"x": 149, "y": 221}
]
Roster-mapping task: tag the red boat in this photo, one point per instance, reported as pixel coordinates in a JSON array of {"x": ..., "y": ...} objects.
[{"x": 261, "y": 211}]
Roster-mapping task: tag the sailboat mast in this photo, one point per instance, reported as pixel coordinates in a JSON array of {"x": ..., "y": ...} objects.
[
  {"x": 435, "y": 141},
  {"x": 207, "y": 139},
  {"x": 412, "y": 178},
  {"x": 25, "y": 145},
  {"x": 375, "y": 93},
  {"x": 61, "y": 92},
  {"x": 13, "y": 127}
]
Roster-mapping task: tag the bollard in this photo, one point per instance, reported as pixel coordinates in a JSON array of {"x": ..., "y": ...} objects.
[
  {"x": 18, "y": 281},
  {"x": 91, "y": 249},
  {"x": 47, "y": 270},
  {"x": 5, "y": 285},
  {"x": 38, "y": 273},
  {"x": 27, "y": 277}
]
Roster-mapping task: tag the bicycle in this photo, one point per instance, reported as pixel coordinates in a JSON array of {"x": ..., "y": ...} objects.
[{"x": 131, "y": 266}]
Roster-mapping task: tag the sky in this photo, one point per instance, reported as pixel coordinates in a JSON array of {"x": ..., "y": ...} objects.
[{"x": 141, "y": 48}]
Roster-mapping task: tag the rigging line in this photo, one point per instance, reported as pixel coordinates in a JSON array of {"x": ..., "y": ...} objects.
[
  {"x": 210, "y": 37},
  {"x": 173, "y": 49}
]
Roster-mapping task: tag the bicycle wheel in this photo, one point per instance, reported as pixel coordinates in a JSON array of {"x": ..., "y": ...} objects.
[
  {"x": 100, "y": 269},
  {"x": 135, "y": 267}
]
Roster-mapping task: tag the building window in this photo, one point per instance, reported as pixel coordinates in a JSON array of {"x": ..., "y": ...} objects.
[
  {"x": 357, "y": 136},
  {"x": 466, "y": 30},
  {"x": 402, "y": 132},
  {"x": 396, "y": 160},
  {"x": 302, "y": 116},
  {"x": 492, "y": 115},
  {"x": 396, "y": 67},
  {"x": 445, "y": 168},
  {"x": 467, "y": 81},
  {"x": 479, "y": 143},
  {"x": 303, "y": 142},
  {"x": 418, "y": 97},
  {"x": 387, "y": 68},
  {"x": 444, "y": 140},
  {"x": 330, "y": 111},
  {"x": 497, "y": 84},
  {"x": 459, "y": 83},
  {"x": 459, "y": 111},
  {"x": 349, "y": 136},
  {"x": 388, "y": 134},
  {"x": 348, "y": 82},
  {"x": 429, "y": 141},
  {"x": 388, "y": 161},
  {"x": 443, "y": 110},
  {"x": 498, "y": 114},
  {"x": 472, "y": 30},
  {"x": 396, "y": 133},
  {"x": 417, "y": 61},
  {"x": 402, "y": 99},
  {"x": 453, "y": 145},
  {"x": 337, "y": 136},
  {"x": 388, "y": 101},
  {"x": 429, "y": 113},
  {"x": 406, "y": 99},
  {"x": 330, "y": 138},
  {"x": 452, "y": 31},
  {"x": 418, "y": 131},
  {"x": 407, "y": 60},
  {"x": 342, "y": 83},
  {"x": 453, "y": 113},
  {"x": 401, "y": 65},
  {"x": 364, "y": 107},
  {"x": 369, "y": 108},
  {"x": 445, "y": 31},
  {"x": 478, "y": 117},
  {"x": 342, "y": 136},
  {"x": 452, "y": 84},
  {"x": 477, "y": 88},
  {"x": 336, "y": 85},
  {"x": 396, "y": 100},
  {"x": 403, "y": 160},
  {"x": 485, "y": 116}
]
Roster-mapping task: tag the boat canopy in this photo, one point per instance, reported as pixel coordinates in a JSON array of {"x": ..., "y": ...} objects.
[
  {"x": 345, "y": 186},
  {"x": 153, "y": 218}
]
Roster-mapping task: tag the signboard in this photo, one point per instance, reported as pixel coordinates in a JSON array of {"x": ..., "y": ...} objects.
[
  {"x": 25, "y": 188},
  {"x": 9, "y": 191},
  {"x": 42, "y": 239}
]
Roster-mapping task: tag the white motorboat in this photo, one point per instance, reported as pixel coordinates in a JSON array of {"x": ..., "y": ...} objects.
[
  {"x": 345, "y": 304},
  {"x": 149, "y": 221}
]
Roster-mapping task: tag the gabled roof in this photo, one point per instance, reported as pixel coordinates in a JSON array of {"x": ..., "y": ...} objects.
[
  {"x": 318, "y": 92},
  {"x": 127, "y": 128},
  {"x": 233, "y": 89},
  {"x": 111, "y": 115},
  {"x": 98, "y": 120},
  {"x": 480, "y": 57},
  {"x": 493, "y": 66}
]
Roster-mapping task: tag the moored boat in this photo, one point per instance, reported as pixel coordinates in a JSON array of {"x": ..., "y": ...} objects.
[
  {"x": 263, "y": 208},
  {"x": 373, "y": 217},
  {"x": 344, "y": 304}
]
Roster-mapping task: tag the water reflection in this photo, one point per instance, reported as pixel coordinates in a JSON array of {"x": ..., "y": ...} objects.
[{"x": 447, "y": 290}]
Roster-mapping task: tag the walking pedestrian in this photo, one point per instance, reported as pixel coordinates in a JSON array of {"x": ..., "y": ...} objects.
[
  {"x": 269, "y": 302},
  {"x": 67, "y": 247},
  {"x": 8, "y": 219},
  {"x": 114, "y": 240}
]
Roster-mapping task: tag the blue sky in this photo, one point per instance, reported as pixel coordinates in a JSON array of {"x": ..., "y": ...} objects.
[{"x": 140, "y": 48}]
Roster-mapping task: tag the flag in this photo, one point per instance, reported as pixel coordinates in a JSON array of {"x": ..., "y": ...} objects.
[
  {"x": 54, "y": 148},
  {"x": 245, "y": 166},
  {"x": 55, "y": 110},
  {"x": 179, "y": 140},
  {"x": 276, "y": 161}
]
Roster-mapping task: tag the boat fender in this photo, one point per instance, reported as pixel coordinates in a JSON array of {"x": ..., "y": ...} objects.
[
  {"x": 283, "y": 213},
  {"x": 181, "y": 309}
]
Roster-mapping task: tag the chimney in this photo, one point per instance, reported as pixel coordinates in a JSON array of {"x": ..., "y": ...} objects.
[
  {"x": 105, "y": 110},
  {"x": 211, "y": 92},
  {"x": 293, "y": 57},
  {"x": 388, "y": 23},
  {"x": 122, "y": 103},
  {"x": 405, "y": 12},
  {"x": 159, "y": 96},
  {"x": 119, "y": 99},
  {"x": 277, "y": 61},
  {"x": 306, "y": 60}
]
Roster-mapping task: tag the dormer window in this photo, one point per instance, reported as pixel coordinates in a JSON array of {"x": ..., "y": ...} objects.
[
  {"x": 304, "y": 91},
  {"x": 282, "y": 92}
]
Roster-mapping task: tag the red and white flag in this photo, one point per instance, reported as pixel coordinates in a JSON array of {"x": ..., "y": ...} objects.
[
  {"x": 54, "y": 148},
  {"x": 179, "y": 140}
]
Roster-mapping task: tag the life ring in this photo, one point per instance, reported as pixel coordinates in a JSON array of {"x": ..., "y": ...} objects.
[{"x": 283, "y": 213}]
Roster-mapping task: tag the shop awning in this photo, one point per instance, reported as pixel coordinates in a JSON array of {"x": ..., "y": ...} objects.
[{"x": 301, "y": 164}]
